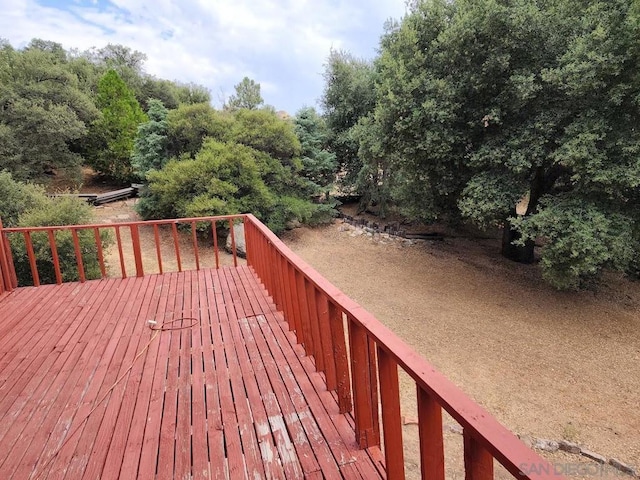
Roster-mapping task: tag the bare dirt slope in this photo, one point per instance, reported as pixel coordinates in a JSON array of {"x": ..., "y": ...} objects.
[{"x": 548, "y": 364}]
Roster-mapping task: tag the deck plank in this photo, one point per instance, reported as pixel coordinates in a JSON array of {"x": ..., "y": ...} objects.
[
  {"x": 32, "y": 373},
  {"x": 276, "y": 448},
  {"x": 336, "y": 429},
  {"x": 82, "y": 353},
  {"x": 117, "y": 354},
  {"x": 238, "y": 400},
  {"x": 129, "y": 463},
  {"x": 91, "y": 392},
  {"x": 282, "y": 390}
]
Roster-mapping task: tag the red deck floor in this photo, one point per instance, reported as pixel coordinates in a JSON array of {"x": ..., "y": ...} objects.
[{"x": 88, "y": 390}]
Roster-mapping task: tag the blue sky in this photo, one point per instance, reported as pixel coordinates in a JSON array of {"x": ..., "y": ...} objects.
[{"x": 282, "y": 44}]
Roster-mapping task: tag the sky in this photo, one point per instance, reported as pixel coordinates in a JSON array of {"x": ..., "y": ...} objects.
[{"x": 281, "y": 44}]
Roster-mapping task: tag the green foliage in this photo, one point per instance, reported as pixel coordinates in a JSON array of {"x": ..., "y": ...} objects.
[
  {"x": 247, "y": 96},
  {"x": 581, "y": 239},
  {"x": 265, "y": 131},
  {"x": 319, "y": 165},
  {"x": 191, "y": 93},
  {"x": 59, "y": 211},
  {"x": 43, "y": 110},
  {"x": 222, "y": 179},
  {"x": 158, "y": 89},
  {"x": 25, "y": 205},
  {"x": 150, "y": 146},
  {"x": 114, "y": 132},
  {"x": 17, "y": 198},
  {"x": 189, "y": 125},
  {"x": 349, "y": 95},
  {"x": 127, "y": 63},
  {"x": 290, "y": 209},
  {"x": 480, "y": 105},
  {"x": 226, "y": 178}
]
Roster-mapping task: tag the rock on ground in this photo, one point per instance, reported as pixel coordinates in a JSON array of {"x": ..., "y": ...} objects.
[{"x": 241, "y": 246}]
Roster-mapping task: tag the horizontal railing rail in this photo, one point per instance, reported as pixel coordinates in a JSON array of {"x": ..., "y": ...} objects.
[
  {"x": 84, "y": 246},
  {"x": 361, "y": 361}
]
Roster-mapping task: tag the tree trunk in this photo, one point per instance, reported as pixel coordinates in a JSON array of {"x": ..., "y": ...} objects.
[
  {"x": 517, "y": 253},
  {"x": 541, "y": 182}
]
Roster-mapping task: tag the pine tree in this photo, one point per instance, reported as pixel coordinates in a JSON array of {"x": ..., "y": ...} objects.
[{"x": 150, "y": 146}]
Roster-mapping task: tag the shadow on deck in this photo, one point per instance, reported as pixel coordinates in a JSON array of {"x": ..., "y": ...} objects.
[{"x": 89, "y": 390}]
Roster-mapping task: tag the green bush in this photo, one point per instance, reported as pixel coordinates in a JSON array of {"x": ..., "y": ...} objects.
[
  {"x": 580, "y": 241},
  {"x": 59, "y": 211},
  {"x": 26, "y": 205},
  {"x": 224, "y": 179},
  {"x": 17, "y": 197}
]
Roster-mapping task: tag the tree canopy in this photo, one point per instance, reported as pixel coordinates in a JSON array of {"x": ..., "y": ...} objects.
[
  {"x": 319, "y": 165},
  {"x": 52, "y": 103},
  {"x": 481, "y": 107},
  {"x": 150, "y": 146},
  {"x": 247, "y": 95},
  {"x": 231, "y": 162},
  {"x": 113, "y": 134},
  {"x": 43, "y": 110},
  {"x": 349, "y": 95}
]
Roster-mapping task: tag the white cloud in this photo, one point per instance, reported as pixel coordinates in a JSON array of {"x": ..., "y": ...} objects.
[{"x": 280, "y": 43}]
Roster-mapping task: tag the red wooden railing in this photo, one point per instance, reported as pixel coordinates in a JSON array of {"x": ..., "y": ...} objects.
[
  {"x": 6, "y": 281},
  {"x": 365, "y": 375},
  {"x": 358, "y": 355},
  {"x": 7, "y": 266}
]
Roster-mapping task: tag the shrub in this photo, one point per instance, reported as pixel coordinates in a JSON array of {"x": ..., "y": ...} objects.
[
  {"x": 17, "y": 197},
  {"x": 59, "y": 211},
  {"x": 224, "y": 179},
  {"x": 26, "y": 205}
]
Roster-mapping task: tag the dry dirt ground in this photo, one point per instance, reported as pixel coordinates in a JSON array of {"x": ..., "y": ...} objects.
[
  {"x": 123, "y": 212},
  {"x": 547, "y": 364}
]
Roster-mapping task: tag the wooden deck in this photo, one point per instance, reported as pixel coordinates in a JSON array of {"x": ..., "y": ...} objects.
[{"x": 89, "y": 390}]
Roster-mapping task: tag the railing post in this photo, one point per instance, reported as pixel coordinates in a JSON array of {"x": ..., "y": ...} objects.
[
  {"x": 322, "y": 305},
  {"x": 5, "y": 275},
  {"x": 176, "y": 244},
  {"x": 233, "y": 242},
  {"x": 314, "y": 320},
  {"x": 478, "y": 462},
  {"x": 391, "y": 420},
  {"x": 137, "y": 254},
  {"x": 156, "y": 237},
  {"x": 276, "y": 277},
  {"x": 340, "y": 356},
  {"x": 431, "y": 441},
  {"x": 11, "y": 278},
  {"x": 123, "y": 268},
  {"x": 287, "y": 303},
  {"x": 248, "y": 241},
  {"x": 216, "y": 254},
  {"x": 295, "y": 304},
  {"x": 54, "y": 256},
  {"x": 78, "y": 250},
  {"x": 194, "y": 239},
  {"x": 99, "y": 252},
  {"x": 365, "y": 386},
  {"x": 303, "y": 312}
]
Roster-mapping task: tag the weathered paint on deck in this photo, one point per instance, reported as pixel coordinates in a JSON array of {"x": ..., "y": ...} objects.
[{"x": 88, "y": 390}]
